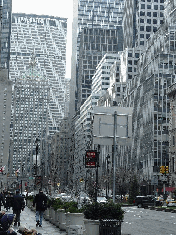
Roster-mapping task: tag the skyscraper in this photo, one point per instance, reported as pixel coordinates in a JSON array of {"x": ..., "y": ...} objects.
[
  {"x": 99, "y": 31},
  {"x": 29, "y": 120},
  {"x": 141, "y": 19},
  {"x": 6, "y": 12},
  {"x": 45, "y": 36}
]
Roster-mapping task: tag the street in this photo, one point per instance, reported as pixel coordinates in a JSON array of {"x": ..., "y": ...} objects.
[{"x": 139, "y": 221}]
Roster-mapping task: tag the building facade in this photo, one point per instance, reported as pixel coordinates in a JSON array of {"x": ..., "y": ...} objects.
[
  {"x": 93, "y": 19},
  {"x": 5, "y": 109},
  {"x": 29, "y": 121},
  {"x": 45, "y": 37},
  {"x": 141, "y": 19},
  {"x": 6, "y": 17},
  {"x": 94, "y": 44}
]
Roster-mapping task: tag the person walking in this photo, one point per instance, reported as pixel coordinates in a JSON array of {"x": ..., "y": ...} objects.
[
  {"x": 41, "y": 205},
  {"x": 2, "y": 201},
  {"x": 18, "y": 205}
]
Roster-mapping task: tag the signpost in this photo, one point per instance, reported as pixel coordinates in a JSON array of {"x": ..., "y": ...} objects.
[{"x": 92, "y": 161}]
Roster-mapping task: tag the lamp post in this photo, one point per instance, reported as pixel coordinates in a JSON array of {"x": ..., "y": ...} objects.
[
  {"x": 37, "y": 149},
  {"x": 107, "y": 168}
]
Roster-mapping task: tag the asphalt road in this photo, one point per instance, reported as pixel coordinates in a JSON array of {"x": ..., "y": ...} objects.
[{"x": 139, "y": 221}]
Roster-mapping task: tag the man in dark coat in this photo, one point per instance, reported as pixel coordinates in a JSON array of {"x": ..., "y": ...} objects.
[
  {"x": 41, "y": 205},
  {"x": 18, "y": 206},
  {"x": 2, "y": 201}
]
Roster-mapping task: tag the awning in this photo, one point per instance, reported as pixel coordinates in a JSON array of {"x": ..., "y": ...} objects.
[{"x": 169, "y": 189}]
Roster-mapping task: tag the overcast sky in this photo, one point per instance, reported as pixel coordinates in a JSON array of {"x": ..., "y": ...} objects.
[{"x": 60, "y": 8}]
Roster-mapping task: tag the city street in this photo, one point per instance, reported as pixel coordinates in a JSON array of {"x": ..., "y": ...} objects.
[{"x": 139, "y": 221}]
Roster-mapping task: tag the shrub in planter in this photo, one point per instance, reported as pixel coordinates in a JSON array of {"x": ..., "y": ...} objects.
[
  {"x": 71, "y": 207},
  {"x": 56, "y": 204},
  {"x": 102, "y": 211}
]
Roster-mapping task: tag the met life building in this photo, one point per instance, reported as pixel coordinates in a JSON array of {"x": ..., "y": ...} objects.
[{"x": 37, "y": 70}]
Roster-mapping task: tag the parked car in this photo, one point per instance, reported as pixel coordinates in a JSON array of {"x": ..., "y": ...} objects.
[
  {"x": 101, "y": 199},
  {"x": 145, "y": 201}
]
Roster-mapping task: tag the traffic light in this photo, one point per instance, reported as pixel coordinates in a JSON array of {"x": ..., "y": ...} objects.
[
  {"x": 162, "y": 169},
  {"x": 166, "y": 170}
]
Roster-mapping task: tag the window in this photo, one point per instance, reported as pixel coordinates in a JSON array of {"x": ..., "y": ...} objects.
[
  {"x": 155, "y": 7},
  {"x": 154, "y": 29},
  {"x": 148, "y": 6},
  {"x": 141, "y": 28},
  {"x": 129, "y": 54},
  {"x": 161, "y": 7},
  {"x": 141, "y": 35},
  {"x": 142, "y": 13},
  {"x": 147, "y": 36},
  {"x": 141, "y": 20},
  {"x": 130, "y": 62},
  {"x": 142, "y": 6},
  {"x": 173, "y": 140},
  {"x": 161, "y": 14},
  {"x": 136, "y": 55},
  {"x": 154, "y": 14},
  {"x": 118, "y": 89},
  {"x": 149, "y": 14},
  {"x": 142, "y": 43},
  {"x": 148, "y": 28},
  {"x": 129, "y": 69},
  {"x": 154, "y": 21},
  {"x": 149, "y": 21}
]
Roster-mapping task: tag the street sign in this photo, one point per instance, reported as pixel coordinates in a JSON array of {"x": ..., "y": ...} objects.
[{"x": 91, "y": 159}]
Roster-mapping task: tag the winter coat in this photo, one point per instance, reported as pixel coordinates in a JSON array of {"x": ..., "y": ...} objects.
[
  {"x": 18, "y": 203},
  {"x": 41, "y": 202}
]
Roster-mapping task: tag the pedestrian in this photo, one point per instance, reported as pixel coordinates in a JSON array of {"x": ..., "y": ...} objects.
[
  {"x": 41, "y": 205},
  {"x": 18, "y": 206},
  {"x": 2, "y": 201}
]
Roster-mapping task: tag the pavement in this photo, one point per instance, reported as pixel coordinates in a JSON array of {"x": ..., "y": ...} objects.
[{"x": 27, "y": 219}]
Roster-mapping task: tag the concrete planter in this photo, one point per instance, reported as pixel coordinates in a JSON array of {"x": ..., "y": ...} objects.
[
  {"x": 61, "y": 219},
  {"x": 91, "y": 227},
  {"x": 73, "y": 219},
  {"x": 52, "y": 215},
  {"x": 46, "y": 214}
]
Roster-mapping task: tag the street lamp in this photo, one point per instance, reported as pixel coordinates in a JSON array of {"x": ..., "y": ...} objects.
[
  {"x": 37, "y": 150},
  {"x": 107, "y": 181}
]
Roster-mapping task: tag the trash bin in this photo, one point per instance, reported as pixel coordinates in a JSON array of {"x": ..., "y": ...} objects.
[{"x": 110, "y": 227}]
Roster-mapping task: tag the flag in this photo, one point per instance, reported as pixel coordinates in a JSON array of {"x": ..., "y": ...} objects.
[
  {"x": 16, "y": 172},
  {"x": 2, "y": 169}
]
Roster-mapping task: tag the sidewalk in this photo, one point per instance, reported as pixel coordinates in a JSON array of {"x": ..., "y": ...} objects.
[{"x": 28, "y": 220}]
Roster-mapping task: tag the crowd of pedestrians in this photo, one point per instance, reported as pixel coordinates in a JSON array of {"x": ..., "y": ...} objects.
[{"x": 16, "y": 202}]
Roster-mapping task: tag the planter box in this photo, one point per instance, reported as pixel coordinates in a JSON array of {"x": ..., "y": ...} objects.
[
  {"x": 52, "y": 217},
  {"x": 74, "y": 219},
  {"x": 46, "y": 214},
  {"x": 61, "y": 219},
  {"x": 91, "y": 227}
]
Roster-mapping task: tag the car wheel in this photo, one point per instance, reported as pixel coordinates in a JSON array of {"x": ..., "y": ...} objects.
[{"x": 140, "y": 205}]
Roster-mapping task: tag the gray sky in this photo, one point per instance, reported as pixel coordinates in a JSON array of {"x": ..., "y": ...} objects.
[{"x": 60, "y": 8}]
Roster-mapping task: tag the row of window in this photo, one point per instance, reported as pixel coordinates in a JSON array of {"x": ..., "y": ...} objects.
[
  {"x": 156, "y": 7},
  {"x": 148, "y": 13}
]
